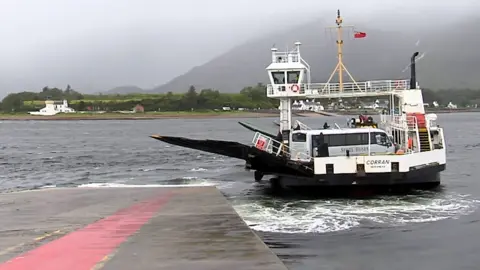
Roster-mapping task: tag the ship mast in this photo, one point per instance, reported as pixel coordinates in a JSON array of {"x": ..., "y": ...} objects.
[{"x": 340, "y": 66}]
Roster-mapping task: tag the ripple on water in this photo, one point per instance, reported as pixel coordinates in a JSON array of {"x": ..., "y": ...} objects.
[
  {"x": 313, "y": 216},
  {"x": 113, "y": 153}
]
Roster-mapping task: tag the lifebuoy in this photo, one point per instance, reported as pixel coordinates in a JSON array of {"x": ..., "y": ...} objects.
[
  {"x": 295, "y": 88},
  {"x": 400, "y": 84},
  {"x": 261, "y": 143}
]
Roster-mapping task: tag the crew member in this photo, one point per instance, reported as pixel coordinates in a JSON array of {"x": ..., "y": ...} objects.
[{"x": 362, "y": 118}]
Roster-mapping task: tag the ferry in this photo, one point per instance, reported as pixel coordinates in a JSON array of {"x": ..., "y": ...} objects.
[{"x": 403, "y": 149}]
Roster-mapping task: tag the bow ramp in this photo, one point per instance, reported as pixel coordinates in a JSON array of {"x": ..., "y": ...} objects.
[
  {"x": 270, "y": 159},
  {"x": 225, "y": 148}
]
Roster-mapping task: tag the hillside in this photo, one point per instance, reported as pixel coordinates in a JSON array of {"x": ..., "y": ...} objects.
[
  {"x": 128, "y": 89},
  {"x": 451, "y": 59}
]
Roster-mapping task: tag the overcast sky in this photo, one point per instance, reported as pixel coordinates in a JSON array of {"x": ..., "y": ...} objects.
[{"x": 95, "y": 45}]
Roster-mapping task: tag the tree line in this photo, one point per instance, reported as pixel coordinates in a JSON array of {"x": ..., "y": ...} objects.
[{"x": 251, "y": 97}]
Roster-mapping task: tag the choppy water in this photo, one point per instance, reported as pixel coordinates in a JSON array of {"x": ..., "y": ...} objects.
[{"x": 431, "y": 230}]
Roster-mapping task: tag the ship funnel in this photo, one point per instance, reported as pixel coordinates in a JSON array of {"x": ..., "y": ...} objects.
[{"x": 413, "y": 74}]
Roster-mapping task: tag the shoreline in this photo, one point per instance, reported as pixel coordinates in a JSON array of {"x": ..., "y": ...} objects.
[
  {"x": 427, "y": 111},
  {"x": 138, "y": 116},
  {"x": 189, "y": 115}
]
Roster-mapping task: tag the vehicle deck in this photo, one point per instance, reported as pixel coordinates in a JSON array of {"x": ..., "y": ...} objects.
[{"x": 127, "y": 228}]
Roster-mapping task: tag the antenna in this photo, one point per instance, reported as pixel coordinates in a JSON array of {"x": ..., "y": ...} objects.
[{"x": 340, "y": 66}]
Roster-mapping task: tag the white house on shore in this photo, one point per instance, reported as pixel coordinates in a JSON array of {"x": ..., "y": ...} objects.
[
  {"x": 54, "y": 107},
  {"x": 307, "y": 105}
]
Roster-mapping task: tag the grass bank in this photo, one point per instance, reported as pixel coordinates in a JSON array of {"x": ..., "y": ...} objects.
[{"x": 137, "y": 116}]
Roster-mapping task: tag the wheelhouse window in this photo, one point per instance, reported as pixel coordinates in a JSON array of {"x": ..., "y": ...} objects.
[
  {"x": 293, "y": 76},
  {"x": 379, "y": 138},
  {"x": 278, "y": 77},
  {"x": 299, "y": 137}
]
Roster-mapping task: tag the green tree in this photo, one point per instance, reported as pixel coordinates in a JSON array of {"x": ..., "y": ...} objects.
[
  {"x": 250, "y": 97},
  {"x": 190, "y": 99},
  {"x": 12, "y": 103}
]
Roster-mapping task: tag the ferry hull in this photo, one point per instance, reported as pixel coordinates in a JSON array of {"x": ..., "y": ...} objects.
[
  {"x": 286, "y": 175},
  {"x": 427, "y": 178}
]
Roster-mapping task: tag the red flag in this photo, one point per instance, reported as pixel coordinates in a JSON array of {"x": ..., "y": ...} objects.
[{"x": 360, "y": 35}]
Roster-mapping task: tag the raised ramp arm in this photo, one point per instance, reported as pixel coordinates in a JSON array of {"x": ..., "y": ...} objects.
[
  {"x": 225, "y": 148},
  {"x": 254, "y": 129}
]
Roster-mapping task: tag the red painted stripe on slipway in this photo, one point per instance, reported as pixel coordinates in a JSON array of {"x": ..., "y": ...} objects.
[{"x": 84, "y": 248}]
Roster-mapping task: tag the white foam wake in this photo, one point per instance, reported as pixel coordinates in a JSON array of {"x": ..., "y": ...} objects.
[
  {"x": 117, "y": 185},
  {"x": 335, "y": 215}
]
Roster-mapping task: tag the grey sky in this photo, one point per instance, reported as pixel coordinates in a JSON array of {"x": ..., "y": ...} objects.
[{"x": 98, "y": 44}]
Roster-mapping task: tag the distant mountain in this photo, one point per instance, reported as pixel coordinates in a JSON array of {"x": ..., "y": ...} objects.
[
  {"x": 451, "y": 57},
  {"x": 128, "y": 89}
]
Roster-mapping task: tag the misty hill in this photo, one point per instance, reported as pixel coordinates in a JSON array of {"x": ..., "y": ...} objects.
[
  {"x": 128, "y": 89},
  {"x": 451, "y": 58}
]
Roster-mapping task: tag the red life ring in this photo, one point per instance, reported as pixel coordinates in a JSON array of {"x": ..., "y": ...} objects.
[
  {"x": 400, "y": 84},
  {"x": 261, "y": 143},
  {"x": 295, "y": 88}
]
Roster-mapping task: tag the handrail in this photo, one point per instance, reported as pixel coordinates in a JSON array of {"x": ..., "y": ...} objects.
[
  {"x": 319, "y": 90},
  {"x": 417, "y": 132},
  {"x": 303, "y": 126},
  {"x": 275, "y": 147},
  {"x": 400, "y": 121},
  {"x": 405, "y": 124}
]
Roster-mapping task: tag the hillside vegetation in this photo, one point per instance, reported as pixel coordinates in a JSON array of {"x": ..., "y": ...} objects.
[
  {"x": 253, "y": 97},
  {"x": 206, "y": 99}
]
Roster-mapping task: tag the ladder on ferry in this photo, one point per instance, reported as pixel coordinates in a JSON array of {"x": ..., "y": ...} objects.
[
  {"x": 422, "y": 130},
  {"x": 284, "y": 114},
  {"x": 424, "y": 139}
]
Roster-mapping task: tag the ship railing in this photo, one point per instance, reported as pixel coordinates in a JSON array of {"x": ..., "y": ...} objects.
[
  {"x": 406, "y": 125},
  {"x": 399, "y": 121},
  {"x": 365, "y": 87},
  {"x": 286, "y": 57},
  {"x": 303, "y": 126},
  {"x": 333, "y": 89},
  {"x": 279, "y": 90},
  {"x": 274, "y": 147},
  {"x": 305, "y": 64}
]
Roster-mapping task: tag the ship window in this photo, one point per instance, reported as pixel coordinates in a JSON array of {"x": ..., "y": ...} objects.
[
  {"x": 335, "y": 140},
  {"x": 278, "y": 77},
  {"x": 293, "y": 76},
  {"x": 299, "y": 137},
  {"x": 378, "y": 138},
  {"x": 356, "y": 139}
]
